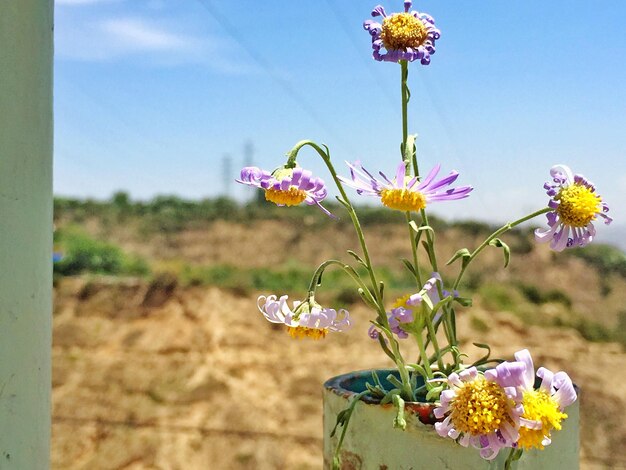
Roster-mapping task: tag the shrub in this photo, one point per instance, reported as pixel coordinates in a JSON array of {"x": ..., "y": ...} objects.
[{"x": 82, "y": 254}]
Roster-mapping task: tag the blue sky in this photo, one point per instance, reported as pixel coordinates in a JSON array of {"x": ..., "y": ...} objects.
[{"x": 150, "y": 95}]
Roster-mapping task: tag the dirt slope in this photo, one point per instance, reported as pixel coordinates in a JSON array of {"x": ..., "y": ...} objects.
[{"x": 196, "y": 379}]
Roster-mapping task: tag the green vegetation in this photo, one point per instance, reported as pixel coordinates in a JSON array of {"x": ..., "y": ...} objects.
[
  {"x": 168, "y": 215},
  {"x": 606, "y": 258},
  {"x": 83, "y": 254}
]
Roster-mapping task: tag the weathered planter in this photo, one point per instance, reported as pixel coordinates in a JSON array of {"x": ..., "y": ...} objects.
[{"x": 371, "y": 442}]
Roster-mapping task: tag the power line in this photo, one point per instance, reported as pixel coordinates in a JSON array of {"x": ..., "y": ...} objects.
[
  {"x": 358, "y": 47},
  {"x": 289, "y": 90}
]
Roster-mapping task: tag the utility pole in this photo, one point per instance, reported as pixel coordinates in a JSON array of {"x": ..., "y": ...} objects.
[
  {"x": 248, "y": 153},
  {"x": 248, "y": 159},
  {"x": 25, "y": 233}
]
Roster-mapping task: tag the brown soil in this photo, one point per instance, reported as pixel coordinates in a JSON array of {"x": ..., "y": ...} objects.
[{"x": 195, "y": 378}]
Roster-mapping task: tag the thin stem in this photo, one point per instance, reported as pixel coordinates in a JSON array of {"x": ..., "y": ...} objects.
[
  {"x": 420, "y": 345},
  {"x": 404, "y": 75},
  {"x": 432, "y": 334},
  {"x": 382, "y": 315},
  {"x": 416, "y": 263},
  {"x": 315, "y": 280},
  {"x": 495, "y": 234}
]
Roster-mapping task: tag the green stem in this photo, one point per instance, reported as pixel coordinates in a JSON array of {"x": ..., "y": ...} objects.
[
  {"x": 416, "y": 263},
  {"x": 404, "y": 75},
  {"x": 420, "y": 345},
  {"x": 382, "y": 315},
  {"x": 315, "y": 280},
  {"x": 355, "y": 220},
  {"x": 432, "y": 334},
  {"x": 495, "y": 234}
]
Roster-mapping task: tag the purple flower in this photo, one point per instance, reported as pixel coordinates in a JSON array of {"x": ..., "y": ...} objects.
[
  {"x": 405, "y": 193},
  {"x": 287, "y": 186},
  {"x": 403, "y": 36},
  {"x": 575, "y": 206},
  {"x": 483, "y": 410},
  {"x": 543, "y": 408},
  {"x": 305, "y": 319},
  {"x": 402, "y": 309}
]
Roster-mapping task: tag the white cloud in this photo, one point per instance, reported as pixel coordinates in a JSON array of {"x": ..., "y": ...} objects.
[
  {"x": 121, "y": 37},
  {"x": 136, "y": 34}
]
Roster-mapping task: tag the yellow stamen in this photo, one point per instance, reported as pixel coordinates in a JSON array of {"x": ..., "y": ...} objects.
[
  {"x": 403, "y": 199},
  {"x": 306, "y": 332},
  {"x": 539, "y": 406},
  {"x": 578, "y": 205},
  {"x": 291, "y": 197},
  {"x": 480, "y": 407},
  {"x": 403, "y": 30},
  {"x": 401, "y": 302}
]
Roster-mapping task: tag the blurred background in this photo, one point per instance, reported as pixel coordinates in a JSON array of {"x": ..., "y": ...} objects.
[{"x": 161, "y": 358}]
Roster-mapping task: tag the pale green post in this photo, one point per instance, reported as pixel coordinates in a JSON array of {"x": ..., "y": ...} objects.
[{"x": 25, "y": 232}]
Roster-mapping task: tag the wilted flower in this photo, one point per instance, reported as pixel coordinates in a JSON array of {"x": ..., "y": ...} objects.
[
  {"x": 403, "y": 307},
  {"x": 405, "y": 36},
  {"x": 576, "y": 205},
  {"x": 287, "y": 186},
  {"x": 543, "y": 408},
  {"x": 398, "y": 315},
  {"x": 305, "y": 319},
  {"x": 482, "y": 410},
  {"x": 405, "y": 193}
]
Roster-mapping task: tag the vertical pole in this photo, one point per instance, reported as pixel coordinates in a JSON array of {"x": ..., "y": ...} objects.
[{"x": 25, "y": 232}]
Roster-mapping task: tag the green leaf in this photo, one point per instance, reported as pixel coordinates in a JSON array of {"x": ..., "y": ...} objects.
[
  {"x": 422, "y": 228},
  {"x": 465, "y": 301},
  {"x": 409, "y": 266},
  {"x": 392, "y": 380},
  {"x": 430, "y": 258},
  {"x": 434, "y": 393},
  {"x": 357, "y": 257},
  {"x": 409, "y": 148},
  {"x": 383, "y": 344},
  {"x": 507, "y": 251},
  {"x": 464, "y": 254},
  {"x": 485, "y": 358},
  {"x": 399, "y": 421}
]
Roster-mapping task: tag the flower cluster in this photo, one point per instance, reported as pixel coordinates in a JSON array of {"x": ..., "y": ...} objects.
[
  {"x": 511, "y": 406},
  {"x": 501, "y": 408}
]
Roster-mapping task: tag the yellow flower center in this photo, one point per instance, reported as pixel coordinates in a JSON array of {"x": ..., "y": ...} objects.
[
  {"x": 480, "y": 407},
  {"x": 402, "y": 30},
  {"x": 578, "y": 205},
  {"x": 291, "y": 197},
  {"x": 306, "y": 332},
  {"x": 403, "y": 199},
  {"x": 539, "y": 406},
  {"x": 401, "y": 302}
]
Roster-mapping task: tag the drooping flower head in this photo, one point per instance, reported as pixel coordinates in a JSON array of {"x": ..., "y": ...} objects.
[
  {"x": 575, "y": 206},
  {"x": 543, "y": 408},
  {"x": 405, "y": 193},
  {"x": 287, "y": 186},
  {"x": 482, "y": 410},
  {"x": 403, "y": 36},
  {"x": 305, "y": 319}
]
